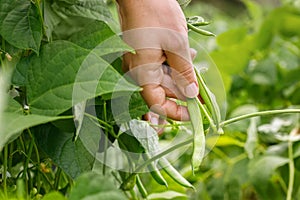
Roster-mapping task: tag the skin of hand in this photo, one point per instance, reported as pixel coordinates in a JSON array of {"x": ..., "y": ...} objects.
[{"x": 157, "y": 30}]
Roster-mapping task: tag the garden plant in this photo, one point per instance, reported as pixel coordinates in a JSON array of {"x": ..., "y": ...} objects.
[{"x": 71, "y": 121}]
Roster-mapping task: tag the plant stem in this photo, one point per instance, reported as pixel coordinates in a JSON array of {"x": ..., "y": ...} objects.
[
  {"x": 257, "y": 114},
  {"x": 38, "y": 177},
  {"x": 29, "y": 153},
  {"x": 105, "y": 135},
  {"x": 99, "y": 120},
  {"x": 4, "y": 174},
  {"x": 133, "y": 195},
  {"x": 211, "y": 121},
  {"x": 160, "y": 155},
  {"x": 291, "y": 171},
  {"x": 57, "y": 178}
]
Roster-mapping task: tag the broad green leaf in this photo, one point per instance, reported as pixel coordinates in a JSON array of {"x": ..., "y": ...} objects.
[
  {"x": 91, "y": 135},
  {"x": 51, "y": 19},
  {"x": 19, "y": 76},
  {"x": 92, "y": 35},
  {"x": 54, "y": 195},
  {"x": 15, "y": 123},
  {"x": 92, "y": 186},
  {"x": 72, "y": 157},
  {"x": 232, "y": 37},
  {"x": 21, "y": 24},
  {"x": 98, "y": 37},
  {"x": 65, "y": 74},
  {"x": 261, "y": 170},
  {"x": 93, "y": 9}
]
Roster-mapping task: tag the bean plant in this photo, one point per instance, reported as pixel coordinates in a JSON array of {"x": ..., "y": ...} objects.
[{"x": 71, "y": 121}]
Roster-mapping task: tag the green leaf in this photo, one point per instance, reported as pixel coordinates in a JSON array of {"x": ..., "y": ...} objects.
[
  {"x": 15, "y": 123},
  {"x": 93, "y": 186},
  {"x": 21, "y": 24},
  {"x": 241, "y": 110},
  {"x": 51, "y": 19},
  {"x": 92, "y": 35},
  {"x": 72, "y": 157},
  {"x": 264, "y": 73},
  {"x": 296, "y": 149},
  {"x": 93, "y": 9},
  {"x": 167, "y": 195},
  {"x": 223, "y": 140},
  {"x": 255, "y": 12},
  {"x": 261, "y": 170},
  {"x": 98, "y": 37},
  {"x": 54, "y": 195},
  {"x": 145, "y": 134},
  {"x": 232, "y": 37},
  {"x": 90, "y": 135},
  {"x": 252, "y": 138},
  {"x": 19, "y": 76},
  {"x": 128, "y": 106},
  {"x": 65, "y": 74}
]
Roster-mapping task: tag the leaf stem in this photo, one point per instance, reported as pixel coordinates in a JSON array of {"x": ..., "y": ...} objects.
[
  {"x": 257, "y": 114},
  {"x": 105, "y": 140},
  {"x": 38, "y": 177},
  {"x": 57, "y": 178},
  {"x": 99, "y": 120},
  {"x": 4, "y": 174},
  {"x": 291, "y": 171},
  {"x": 26, "y": 163}
]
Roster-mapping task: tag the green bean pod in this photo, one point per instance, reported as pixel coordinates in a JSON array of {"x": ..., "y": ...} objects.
[
  {"x": 173, "y": 173},
  {"x": 155, "y": 173},
  {"x": 200, "y": 23},
  {"x": 199, "y": 30},
  {"x": 141, "y": 187},
  {"x": 198, "y": 131},
  {"x": 210, "y": 102}
]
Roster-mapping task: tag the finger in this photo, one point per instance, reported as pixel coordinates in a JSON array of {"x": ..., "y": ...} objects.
[
  {"x": 162, "y": 106},
  {"x": 183, "y": 74},
  {"x": 145, "y": 66},
  {"x": 171, "y": 89},
  {"x": 193, "y": 53},
  {"x": 156, "y": 122}
]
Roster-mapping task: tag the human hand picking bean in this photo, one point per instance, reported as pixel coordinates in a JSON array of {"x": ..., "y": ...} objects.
[{"x": 157, "y": 31}]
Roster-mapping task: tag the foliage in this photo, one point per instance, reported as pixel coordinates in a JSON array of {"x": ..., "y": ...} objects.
[{"x": 66, "y": 107}]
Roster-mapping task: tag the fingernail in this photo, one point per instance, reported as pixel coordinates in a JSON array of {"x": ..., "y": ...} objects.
[{"x": 191, "y": 90}]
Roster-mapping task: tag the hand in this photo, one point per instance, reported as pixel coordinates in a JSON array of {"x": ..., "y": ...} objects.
[{"x": 157, "y": 30}]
